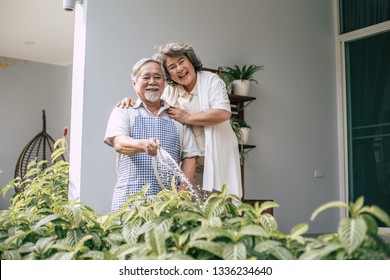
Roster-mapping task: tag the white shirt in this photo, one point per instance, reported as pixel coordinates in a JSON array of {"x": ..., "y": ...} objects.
[
  {"x": 121, "y": 121},
  {"x": 222, "y": 160}
]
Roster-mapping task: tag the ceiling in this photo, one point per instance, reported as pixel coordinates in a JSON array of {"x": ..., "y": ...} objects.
[{"x": 36, "y": 30}]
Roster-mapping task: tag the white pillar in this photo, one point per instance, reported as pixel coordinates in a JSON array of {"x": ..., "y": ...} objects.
[{"x": 76, "y": 126}]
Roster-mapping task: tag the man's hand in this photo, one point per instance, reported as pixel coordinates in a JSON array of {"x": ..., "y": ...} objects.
[
  {"x": 151, "y": 146},
  {"x": 183, "y": 186}
]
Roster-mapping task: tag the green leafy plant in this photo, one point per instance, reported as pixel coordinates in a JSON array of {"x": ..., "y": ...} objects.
[
  {"x": 43, "y": 223},
  {"x": 237, "y": 124},
  {"x": 237, "y": 129},
  {"x": 228, "y": 79},
  {"x": 356, "y": 237},
  {"x": 243, "y": 73}
]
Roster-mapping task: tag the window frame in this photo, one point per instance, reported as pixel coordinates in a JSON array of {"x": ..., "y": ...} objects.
[{"x": 341, "y": 87}]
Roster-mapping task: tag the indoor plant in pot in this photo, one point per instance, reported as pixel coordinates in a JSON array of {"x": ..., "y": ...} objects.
[
  {"x": 228, "y": 79},
  {"x": 242, "y": 76},
  {"x": 241, "y": 129}
]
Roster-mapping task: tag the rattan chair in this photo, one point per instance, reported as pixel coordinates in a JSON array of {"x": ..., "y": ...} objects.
[{"x": 39, "y": 148}]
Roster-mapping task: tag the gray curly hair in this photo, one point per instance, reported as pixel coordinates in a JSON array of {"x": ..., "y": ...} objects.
[{"x": 175, "y": 49}]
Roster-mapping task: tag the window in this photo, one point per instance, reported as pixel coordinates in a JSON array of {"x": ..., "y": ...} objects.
[
  {"x": 357, "y": 14},
  {"x": 364, "y": 95}
]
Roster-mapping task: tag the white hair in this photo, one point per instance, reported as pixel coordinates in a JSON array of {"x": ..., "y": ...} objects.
[{"x": 137, "y": 67}]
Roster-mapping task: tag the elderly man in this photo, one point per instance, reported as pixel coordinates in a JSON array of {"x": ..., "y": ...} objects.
[{"x": 138, "y": 132}]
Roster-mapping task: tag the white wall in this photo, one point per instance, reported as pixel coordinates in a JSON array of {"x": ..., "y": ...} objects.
[
  {"x": 293, "y": 119},
  {"x": 25, "y": 90}
]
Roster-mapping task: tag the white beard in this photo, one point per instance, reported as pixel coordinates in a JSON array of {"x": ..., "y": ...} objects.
[{"x": 152, "y": 95}]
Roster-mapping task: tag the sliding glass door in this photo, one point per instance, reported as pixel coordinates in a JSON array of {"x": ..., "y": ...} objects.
[
  {"x": 363, "y": 50},
  {"x": 367, "y": 66}
]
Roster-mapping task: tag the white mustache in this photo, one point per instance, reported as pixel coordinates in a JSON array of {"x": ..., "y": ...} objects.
[{"x": 152, "y": 88}]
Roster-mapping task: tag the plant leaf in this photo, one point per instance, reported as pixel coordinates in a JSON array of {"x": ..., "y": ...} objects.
[
  {"x": 378, "y": 213},
  {"x": 268, "y": 222},
  {"x": 73, "y": 236},
  {"x": 44, "y": 244},
  {"x": 232, "y": 209},
  {"x": 212, "y": 222},
  {"x": 214, "y": 232},
  {"x": 282, "y": 253},
  {"x": 165, "y": 224},
  {"x": 329, "y": 249},
  {"x": 160, "y": 206},
  {"x": 234, "y": 251},
  {"x": 155, "y": 240},
  {"x": 123, "y": 251},
  {"x": 267, "y": 205},
  {"x": 328, "y": 205},
  {"x": 57, "y": 153},
  {"x": 266, "y": 245},
  {"x": 93, "y": 255},
  {"x": 298, "y": 230},
  {"x": 211, "y": 247},
  {"x": 11, "y": 255},
  {"x": 352, "y": 233},
  {"x": 252, "y": 230},
  {"x": 47, "y": 219},
  {"x": 62, "y": 256},
  {"x": 131, "y": 232},
  {"x": 355, "y": 207},
  {"x": 310, "y": 255},
  {"x": 186, "y": 216},
  {"x": 372, "y": 225}
]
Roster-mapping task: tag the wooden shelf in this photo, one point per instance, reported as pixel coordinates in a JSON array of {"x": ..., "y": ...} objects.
[
  {"x": 234, "y": 98},
  {"x": 239, "y": 102},
  {"x": 246, "y": 146}
]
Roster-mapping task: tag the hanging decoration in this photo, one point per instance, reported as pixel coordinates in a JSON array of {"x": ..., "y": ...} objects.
[{"x": 39, "y": 148}]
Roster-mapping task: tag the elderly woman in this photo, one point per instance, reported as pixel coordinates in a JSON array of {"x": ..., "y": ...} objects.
[{"x": 199, "y": 98}]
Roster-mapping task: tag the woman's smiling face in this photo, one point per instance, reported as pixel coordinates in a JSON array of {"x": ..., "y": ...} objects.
[{"x": 181, "y": 71}]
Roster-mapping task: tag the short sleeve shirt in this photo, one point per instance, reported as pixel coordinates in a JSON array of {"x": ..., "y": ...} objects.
[{"x": 121, "y": 121}]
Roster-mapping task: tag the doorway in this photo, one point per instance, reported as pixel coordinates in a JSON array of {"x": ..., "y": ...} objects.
[{"x": 367, "y": 68}]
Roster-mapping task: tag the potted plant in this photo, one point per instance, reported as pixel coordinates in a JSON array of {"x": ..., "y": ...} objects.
[
  {"x": 242, "y": 76},
  {"x": 241, "y": 129},
  {"x": 228, "y": 79}
]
